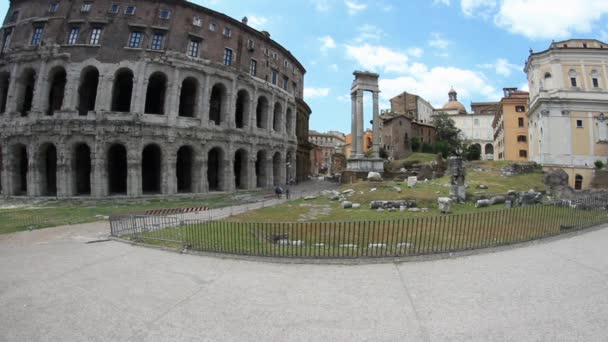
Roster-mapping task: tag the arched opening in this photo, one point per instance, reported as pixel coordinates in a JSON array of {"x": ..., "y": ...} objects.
[
  {"x": 87, "y": 91},
  {"x": 276, "y": 169},
  {"x": 57, "y": 81},
  {"x": 260, "y": 169},
  {"x": 261, "y": 112},
  {"x": 216, "y": 103},
  {"x": 117, "y": 169},
  {"x": 25, "y": 92},
  {"x": 240, "y": 169},
  {"x": 241, "y": 115},
  {"x": 20, "y": 157},
  {"x": 122, "y": 91},
  {"x": 151, "y": 169},
  {"x": 214, "y": 169},
  {"x": 289, "y": 121},
  {"x": 277, "y": 117},
  {"x": 81, "y": 166},
  {"x": 187, "y": 97},
  {"x": 184, "y": 168},
  {"x": 47, "y": 168},
  {"x": 155, "y": 94},
  {"x": 578, "y": 182},
  {"x": 489, "y": 149},
  {"x": 4, "y": 84}
]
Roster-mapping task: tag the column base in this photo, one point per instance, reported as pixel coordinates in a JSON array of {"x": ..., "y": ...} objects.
[{"x": 365, "y": 165}]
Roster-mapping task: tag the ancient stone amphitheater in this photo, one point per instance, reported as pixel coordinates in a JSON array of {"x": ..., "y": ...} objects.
[{"x": 144, "y": 97}]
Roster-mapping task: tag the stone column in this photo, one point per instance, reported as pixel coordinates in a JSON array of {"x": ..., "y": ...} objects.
[
  {"x": 64, "y": 172},
  {"x": 99, "y": 176},
  {"x": 172, "y": 105},
  {"x": 197, "y": 176},
  {"x": 138, "y": 93},
  {"x": 251, "y": 176},
  {"x": 228, "y": 178},
  {"x": 40, "y": 100},
  {"x": 134, "y": 186},
  {"x": 33, "y": 181},
  {"x": 103, "y": 99},
  {"x": 359, "y": 123},
  {"x": 70, "y": 98},
  {"x": 269, "y": 175},
  {"x": 168, "y": 176},
  {"x": 11, "y": 98},
  {"x": 376, "y": 127},
  {"x": 251, "y": 124},
  {"x": 353, "y": 125},
  {"x": 204, "y": 182},
  {"x": 229, "y": 119},
  {"x": 203, "y": 112},
  {"x": 4, "y": 170}
]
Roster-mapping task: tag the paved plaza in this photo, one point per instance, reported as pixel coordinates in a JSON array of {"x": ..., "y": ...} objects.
[{"x": 54, "y": 286}]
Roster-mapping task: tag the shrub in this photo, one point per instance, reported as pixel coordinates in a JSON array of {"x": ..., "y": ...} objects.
[
  {"x": 599, "y": 164},
  {"x": 415, "y": 144},
  {"x": 427, "y": 148}
]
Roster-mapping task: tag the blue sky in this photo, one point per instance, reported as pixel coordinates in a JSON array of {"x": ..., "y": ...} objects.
[{"x": 419, "y": 46}]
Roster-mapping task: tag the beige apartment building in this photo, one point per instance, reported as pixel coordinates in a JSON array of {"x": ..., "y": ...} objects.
[{"x": 511, "y": 126}]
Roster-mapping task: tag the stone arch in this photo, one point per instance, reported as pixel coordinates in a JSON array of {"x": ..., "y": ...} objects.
[
  {"x": 289, "y": 121},
  {"x": 47, "y": 169},
  {"x": 489, "y": 149},
  {"x": 5, "y": 79},
  {"x": 260, "y": 169},
  {"x": 156, "y": 93},
  {"x": 261, "y": 112},
  {"x": 122, "y": 90},
  {"x": 81, "y": 169},
  {"x": 215, "y": 167},
  {"x": 217, "y": 102},
  {"x": 241, "y": 169},
  {"x": 241, "y": 113},
  {"x": 188, "y": 97},
  {"x": 87, "y": 90},
  {"x": 276, "y": 169},
  {"x": 56, "y": 91},
  {"x": 21, "y": 164},
  {"x": 151, "y": 169},
  {"x": 277, "y": 117},
  {"x": 117, "y": 169},
  {"x": 578, "y": 182},
  {"x": 25, "y": 91},
  {"x": 184, "y": 169}
]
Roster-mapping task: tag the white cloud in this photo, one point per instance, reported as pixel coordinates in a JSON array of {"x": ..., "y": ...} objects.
[
  {"x": 502, "y": 67},
  {"x": 438, "y": 41},
  {"x": 354, "y": 7},
  {"x": 538, "y": 19},
  {"x": 434, "y": 84},
  {"x": 415, "y": 52},
  {"x": 441, "y": 2},
  {"x": 344, "y": 98},
  {"x": 256, "y": 21},
  {"x": 368, "y": 33},
  {"x": 327, "y": 43},
  {"x": 378, "y": 58},
  {"x": 481, "y": 8},
  {"x": 334, "y": 67},
  {"x": 524, "y": 87},
  {"x": 322, "y": 5},
  {"x": 310, "y": 93}
]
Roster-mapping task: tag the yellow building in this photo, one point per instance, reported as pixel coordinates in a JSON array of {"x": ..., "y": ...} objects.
[
  {"x": 348, "y": 143},
  {"x": 511, "y": 126},
  {"x": 568, "y": 124}
]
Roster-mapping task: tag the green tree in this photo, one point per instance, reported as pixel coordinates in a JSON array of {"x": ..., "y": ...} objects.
[
  {"x": 447, "y": 132},
  {"x": 473, "y": 152},
  {"x": 415, "y": 143}
]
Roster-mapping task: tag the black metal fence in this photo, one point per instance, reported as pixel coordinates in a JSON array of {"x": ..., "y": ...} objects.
[{"x": 356, "y": 239}]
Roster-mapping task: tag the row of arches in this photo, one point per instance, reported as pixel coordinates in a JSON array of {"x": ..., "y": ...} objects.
[
  {"x": 186, "y": 170},
  {"x": 156, "y": 101}
]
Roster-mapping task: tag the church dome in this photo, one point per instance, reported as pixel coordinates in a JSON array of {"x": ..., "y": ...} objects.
[{"x": 453, "y": 103}]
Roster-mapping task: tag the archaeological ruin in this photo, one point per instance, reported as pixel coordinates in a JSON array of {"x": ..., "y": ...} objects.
[{"x": 147, "y": 97}]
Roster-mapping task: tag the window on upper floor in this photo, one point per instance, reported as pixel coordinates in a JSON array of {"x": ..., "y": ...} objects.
[
  {"x": 579, "y": 123},
  {"x": 595, "y": 78},
  {"x": 294, "y": 88},
  {"x": 194, "y": 48},
  {"x": 520, "y": 109},
  {"x": 86, "y": 7},
  {"x": 6, "y": 40},
  {"x": 275, "y": 76},
  {"x": 114, "y": 8},
  {"x": 266, "y": 52},
  {"x": 227, "y": 56},
  {"x": 135, "y": 39},
  {"x": 572, "y": 75},
  {"x": 157, "y": 41},
  {"x": 547, "y": 75},
  {"x": 285, "y": 82},
  {"x": 196, "y": 21},
  {"x": 95, "y": 36},
  {"x": 250, "y": 44},
  {"x": 130, "y": 10},
  {"x": 520, "y": 122},
  {"x": 212, "y": 27},
  {"x": 253, "y": 67},
  {"x": 227, "y": 32},
  {"x": 73, "y": 36},
  {"x": 37, "y": 35},
  {"x": 164, "y": 13},
  {"x": 522, "y": 138},
  {"x": 53, "y": 7},
  {"x": 275, "y": 56}
]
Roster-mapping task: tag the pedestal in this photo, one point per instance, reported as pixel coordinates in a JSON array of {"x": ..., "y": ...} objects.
[{"x": 365, "y": 165}]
